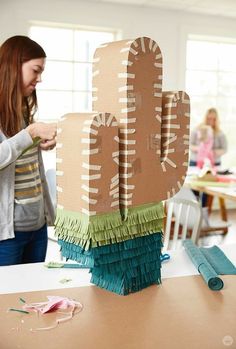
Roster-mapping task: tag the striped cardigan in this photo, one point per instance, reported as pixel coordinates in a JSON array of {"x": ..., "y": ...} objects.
[{"x": 10, "y": 150}]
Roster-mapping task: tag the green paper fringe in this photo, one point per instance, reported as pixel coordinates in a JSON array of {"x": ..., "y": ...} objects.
[
  {"x": 110, "y": 236},
  {"x": 105, "y": 229},
  {"x": 35, "y": 143}
]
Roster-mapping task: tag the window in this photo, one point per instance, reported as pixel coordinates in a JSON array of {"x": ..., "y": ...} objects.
[
  {"x": 211, "y": 82},
  {"x": 67, "y": 81}
]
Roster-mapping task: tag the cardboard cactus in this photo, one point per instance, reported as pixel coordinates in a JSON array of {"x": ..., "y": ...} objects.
[{"x": 116, "y": 165}]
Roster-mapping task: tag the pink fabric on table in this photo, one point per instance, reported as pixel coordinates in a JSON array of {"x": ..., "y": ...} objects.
[
  {"x": 205, "y": 152},
  {"x": 54, "y": 303}
]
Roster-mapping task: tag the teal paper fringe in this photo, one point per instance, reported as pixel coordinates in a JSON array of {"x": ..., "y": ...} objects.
[
  {"x": 113, "y": 252},
  {"x": 121, "y": 284},
  {"x": 124, "y": 267}
]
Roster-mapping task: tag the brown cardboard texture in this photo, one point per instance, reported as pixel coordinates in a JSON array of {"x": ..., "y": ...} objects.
[
  {"x": 151, "y": 154},
  {"x": 87, "y": 176},
  {"x": 127, "y": 81}
]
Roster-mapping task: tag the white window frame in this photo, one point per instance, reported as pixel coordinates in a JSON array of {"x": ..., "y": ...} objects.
[
  {"x": 70, "y": 92},
  {"x": 198, "y": 110}
]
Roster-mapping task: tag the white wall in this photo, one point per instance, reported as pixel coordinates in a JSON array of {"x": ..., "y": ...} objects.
[{"x": 168, "y": 28}]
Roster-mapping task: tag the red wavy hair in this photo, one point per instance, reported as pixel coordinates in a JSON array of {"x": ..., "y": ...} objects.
[{"x": 14, "y": 107}]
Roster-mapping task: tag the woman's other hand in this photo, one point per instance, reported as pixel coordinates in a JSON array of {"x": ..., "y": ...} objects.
[
  {"x": 46, "y": 132},
  {"x": 48, "y": 145}
]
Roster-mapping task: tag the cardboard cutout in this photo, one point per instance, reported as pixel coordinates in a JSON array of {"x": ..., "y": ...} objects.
[{"x": 117, "y": 164}]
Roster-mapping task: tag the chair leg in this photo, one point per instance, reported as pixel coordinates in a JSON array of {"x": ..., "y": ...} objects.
[
  {"x": 223, "y": 213},
  {"x": 205, "y": 216},
  {"x": 209, "y": 203}
]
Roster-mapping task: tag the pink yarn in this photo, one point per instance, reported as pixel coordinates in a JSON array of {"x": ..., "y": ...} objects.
[{"x": 55, "y": 303}]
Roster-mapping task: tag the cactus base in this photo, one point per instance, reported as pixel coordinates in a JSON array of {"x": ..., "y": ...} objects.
[{"x": 124, "y": 267}]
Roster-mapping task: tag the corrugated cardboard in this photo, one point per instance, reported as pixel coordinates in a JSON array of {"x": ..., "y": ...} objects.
[
  {"x": 87, "y": 176},
  {"x": 153, "y": 130},
  {"x": 114, "y": 195},
  {"x": 153, "y": 125}
]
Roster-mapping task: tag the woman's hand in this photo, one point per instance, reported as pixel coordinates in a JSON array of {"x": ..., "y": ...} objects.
[
  {"x": 194, "y": 148},
  {"x": 46, "y": 132},
  {"x": 219, "y": 152},
  {"x": 48, "y": 145}
]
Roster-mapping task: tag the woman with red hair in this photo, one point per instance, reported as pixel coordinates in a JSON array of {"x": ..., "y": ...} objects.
[{"x": 25, "y": 206}]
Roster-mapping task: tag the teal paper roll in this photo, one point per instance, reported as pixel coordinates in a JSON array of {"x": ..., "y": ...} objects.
[
  {"x": 210, "y": 276},
  {"x": 218, "y": 260}
]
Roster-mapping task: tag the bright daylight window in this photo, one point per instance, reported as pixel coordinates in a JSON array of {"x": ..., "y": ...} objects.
[
  {"x": 211, "y": 82},
  {"x": 67, "y": 81}
]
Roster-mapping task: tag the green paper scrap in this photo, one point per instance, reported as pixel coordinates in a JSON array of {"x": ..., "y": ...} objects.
[
  {"x": 36, "y": 142},
  {"x": 65, "y": 280},
  {"x": 203, "y": 266},
  {"x": 64, "y": 265},
  {"x": 22, "y": 300},
  {"x": 19, "y": 310},
  {"x": 200, "y": 183}
]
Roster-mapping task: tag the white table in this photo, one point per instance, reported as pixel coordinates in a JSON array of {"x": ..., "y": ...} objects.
[{"x": 36, "y": 277}]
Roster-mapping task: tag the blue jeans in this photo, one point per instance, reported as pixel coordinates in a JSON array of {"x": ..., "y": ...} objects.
[
  {"x": 194, "y": 163},
  {"x": 25, "y": 247}
]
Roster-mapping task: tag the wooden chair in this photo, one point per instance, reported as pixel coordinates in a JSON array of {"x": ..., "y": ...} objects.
[
  {"x": 183, "y": 221},
  {"x": 221, "y": 226},
  {"x": 207, "y": 226}
]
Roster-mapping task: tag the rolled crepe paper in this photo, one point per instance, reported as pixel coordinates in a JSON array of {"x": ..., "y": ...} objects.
[
  {"x": 210, "y": 276},
  {"x": 218, "y": 260}
]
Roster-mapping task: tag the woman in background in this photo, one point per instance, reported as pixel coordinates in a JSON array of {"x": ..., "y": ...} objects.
[
  {"x": 219, "y": 140},
  {"x": 205, "y": 154},
  {"x": 25, "y": 206},
  {"x": 217, "y": 148}
]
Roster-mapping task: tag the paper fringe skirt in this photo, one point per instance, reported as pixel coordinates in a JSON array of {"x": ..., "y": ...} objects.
[{"x": 123, "y": 256}]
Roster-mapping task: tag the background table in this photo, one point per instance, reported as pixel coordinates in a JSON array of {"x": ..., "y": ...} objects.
[{"x": 220, "y": 190}]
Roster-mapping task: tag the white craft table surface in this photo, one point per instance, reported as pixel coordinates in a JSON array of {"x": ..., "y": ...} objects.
[{"x": 36, "y": 277}]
